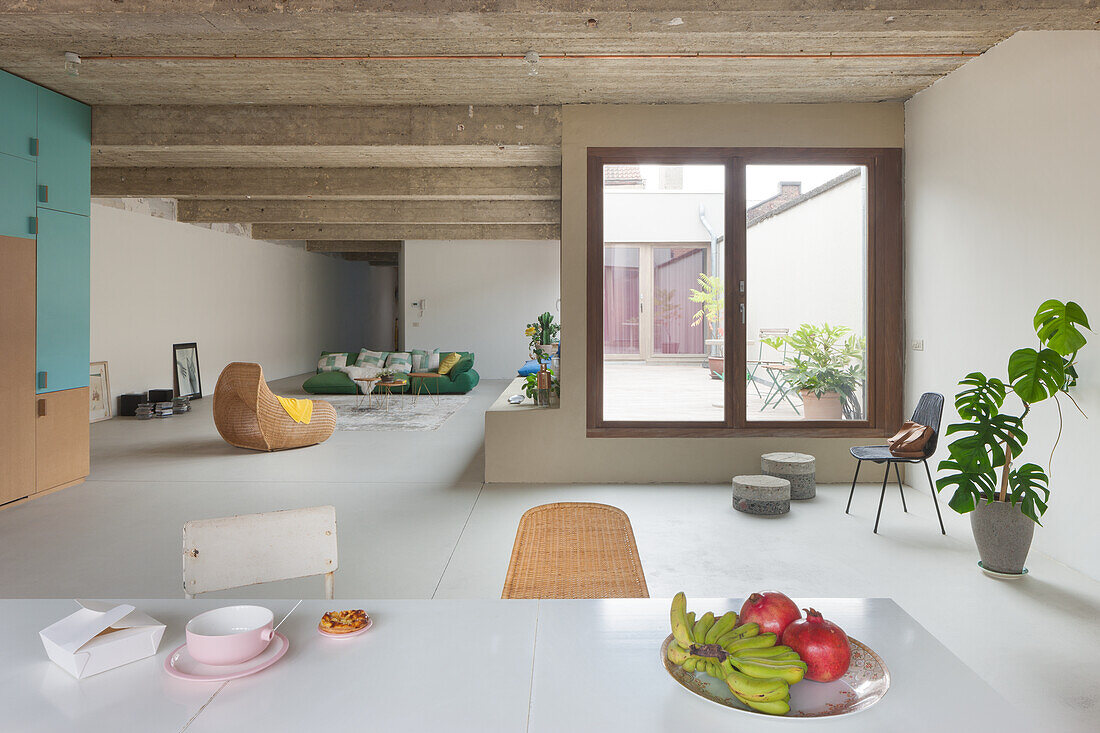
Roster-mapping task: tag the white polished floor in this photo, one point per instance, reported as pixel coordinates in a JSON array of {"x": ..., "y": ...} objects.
[{"x": 415, "y": 521}]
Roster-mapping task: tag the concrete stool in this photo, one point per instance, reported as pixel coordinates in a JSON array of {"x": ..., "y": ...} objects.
[
  {"x": 761, "y": 494},
  {"x": 798, "y": 468}
]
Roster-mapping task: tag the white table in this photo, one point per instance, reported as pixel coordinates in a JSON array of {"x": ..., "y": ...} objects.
[{"x": 469, "y": 666}]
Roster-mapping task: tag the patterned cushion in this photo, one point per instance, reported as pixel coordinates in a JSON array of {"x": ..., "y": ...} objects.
[
  {"x": 424, "y": 360},
  {"x": 331, "y": 362},
  {"x": 400, "y": 361},
  {"x": 371, "y": 358}
]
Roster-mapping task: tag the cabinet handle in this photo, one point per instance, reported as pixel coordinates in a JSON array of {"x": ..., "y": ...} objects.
[
  {"x": 44, "y": 194},
  {"x": 42, "y": 408},
  {"x": 43, "y": 380},
  {"x": 34, "y": 146},
  {"x": 33, "y": 224}
]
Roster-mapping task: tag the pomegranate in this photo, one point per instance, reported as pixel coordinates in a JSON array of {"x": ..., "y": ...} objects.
[
  {"x": 822, "y": 645},
  {"x": 771, "y": 610}
]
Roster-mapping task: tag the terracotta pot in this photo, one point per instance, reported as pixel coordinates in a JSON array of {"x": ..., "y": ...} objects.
[
  {"x": 717, "y": 366},
  {"x": 1003, "y": 535},
  {"x": 826, "y": 407}
]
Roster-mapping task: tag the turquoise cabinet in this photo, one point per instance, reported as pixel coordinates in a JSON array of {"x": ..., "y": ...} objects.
[
  {"x": 64, "y": 273},
  {"x": 17, "y": 194},
  {"x": 18, "y": 116},
  {"x": 64, "y": 153}
]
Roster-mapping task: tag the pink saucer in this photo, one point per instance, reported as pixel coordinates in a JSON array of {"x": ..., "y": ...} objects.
[
  {"x": 365, "y": 629},
  {"x": 179, "y": 663}
]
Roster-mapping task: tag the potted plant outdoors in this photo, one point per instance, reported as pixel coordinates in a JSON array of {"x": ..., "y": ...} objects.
[
  {"x": 1006, "y": 502},
  {"x": 542, "y": 332},
  {"x": 827, "y": 369},
  {"x": 711, "y": 297}
]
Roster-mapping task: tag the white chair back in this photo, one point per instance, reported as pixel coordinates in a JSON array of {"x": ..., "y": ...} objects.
[{"x": 230, "y": 552}]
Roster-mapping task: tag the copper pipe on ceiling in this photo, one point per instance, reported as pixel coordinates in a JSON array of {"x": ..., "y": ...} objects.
[{"x": 542, "y": 57}]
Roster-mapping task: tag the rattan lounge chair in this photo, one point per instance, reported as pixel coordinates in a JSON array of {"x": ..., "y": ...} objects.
[
  {"x": 575, "y": 550},
  {"x": 248, "y": 415}
]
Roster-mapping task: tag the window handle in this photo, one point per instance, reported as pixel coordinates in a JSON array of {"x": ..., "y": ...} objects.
[{"x": 742, "y": 313}]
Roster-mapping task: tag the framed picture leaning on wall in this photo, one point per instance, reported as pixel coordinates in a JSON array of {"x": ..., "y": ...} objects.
[
  {"x": 186, "y": 360},
  {"x": 99, "y": 392}
]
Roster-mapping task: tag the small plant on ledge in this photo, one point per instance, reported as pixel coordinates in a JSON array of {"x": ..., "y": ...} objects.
[{"x": 542, "y": 334}]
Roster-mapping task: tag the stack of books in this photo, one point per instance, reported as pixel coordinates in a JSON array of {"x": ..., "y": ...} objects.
[
  {"x": 164, "y": 409},
  {"x": 181, "y": 404},
  {"x": 144, "y": 410}
]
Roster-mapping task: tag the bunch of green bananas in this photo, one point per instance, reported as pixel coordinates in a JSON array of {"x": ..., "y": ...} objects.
[{"x": 758, "y": 672}]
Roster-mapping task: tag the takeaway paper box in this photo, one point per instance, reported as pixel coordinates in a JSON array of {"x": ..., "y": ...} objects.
[{"x": 101, "y": 636}]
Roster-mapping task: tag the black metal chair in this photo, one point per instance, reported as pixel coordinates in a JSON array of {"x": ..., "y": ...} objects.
[{"x": 929, "y": 411}]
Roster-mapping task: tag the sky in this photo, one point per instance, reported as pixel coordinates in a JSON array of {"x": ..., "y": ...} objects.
[{"x": 761, "y": 181}]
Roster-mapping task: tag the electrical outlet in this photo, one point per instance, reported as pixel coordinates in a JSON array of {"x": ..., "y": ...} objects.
[
  {"x": 416, "y": 324},
  {"x": 918, "y": 344}
]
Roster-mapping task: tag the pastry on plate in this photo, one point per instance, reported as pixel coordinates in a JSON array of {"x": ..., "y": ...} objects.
[{"x": 343, "y": 622}]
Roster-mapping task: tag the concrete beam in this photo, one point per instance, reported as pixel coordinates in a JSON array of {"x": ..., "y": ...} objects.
[
  {"x": 370, "y": 211},
  {"x": 534, "y": 182},
  {"x": 334, "y": 156},
  {"x": 372, "y": 258},
  {"x": 281, "y": 125},
  {"x": 375, "y": 246},
  {"x": 540, "y": 232}
]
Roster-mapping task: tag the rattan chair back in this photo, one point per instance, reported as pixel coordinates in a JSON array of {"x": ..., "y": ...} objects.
[{"x": 575, "y": 550}]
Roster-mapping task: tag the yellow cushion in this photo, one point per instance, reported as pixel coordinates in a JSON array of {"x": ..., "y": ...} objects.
[{"x": 448, "y": 361}]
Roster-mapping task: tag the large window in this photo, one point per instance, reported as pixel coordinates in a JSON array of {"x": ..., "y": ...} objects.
[{"x": 744, "y": 291}]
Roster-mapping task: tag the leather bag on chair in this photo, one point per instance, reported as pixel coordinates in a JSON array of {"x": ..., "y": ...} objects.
[{"x": 910, "y": 441}]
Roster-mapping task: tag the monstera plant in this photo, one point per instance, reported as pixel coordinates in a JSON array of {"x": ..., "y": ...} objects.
[{"x": 1006, "y": 497}]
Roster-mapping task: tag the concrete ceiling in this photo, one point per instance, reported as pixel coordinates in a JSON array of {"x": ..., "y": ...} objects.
[{"x": 355, "y": 102}]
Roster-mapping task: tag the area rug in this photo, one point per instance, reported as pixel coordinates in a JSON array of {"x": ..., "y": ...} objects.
[{"x": 404, "y": 413}]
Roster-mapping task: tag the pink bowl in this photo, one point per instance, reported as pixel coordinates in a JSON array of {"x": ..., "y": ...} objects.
[{"x": 229, "y": 635}]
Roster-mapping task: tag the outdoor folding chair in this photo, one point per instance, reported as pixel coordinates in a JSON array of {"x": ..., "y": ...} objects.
[{"x": 929, "y": 411}]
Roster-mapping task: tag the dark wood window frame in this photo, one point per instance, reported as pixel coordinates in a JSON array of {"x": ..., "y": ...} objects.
[{"x": 885, "y": 331}]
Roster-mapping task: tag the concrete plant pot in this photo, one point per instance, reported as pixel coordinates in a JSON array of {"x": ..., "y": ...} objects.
[
  {"x": 826, "y": 407},
  {"x": 1003, "y": 535}
]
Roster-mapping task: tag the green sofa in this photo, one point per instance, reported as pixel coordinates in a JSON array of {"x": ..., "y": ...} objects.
[{"x": 459, "y": 382}]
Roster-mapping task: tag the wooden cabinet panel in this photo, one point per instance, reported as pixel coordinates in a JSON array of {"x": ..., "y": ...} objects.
[
  {"x": 61, "y": 438},
  {"x": 17, "y": 207},
  {"x": 18, "y": 116},
  {"x": 64, "y": 275},
  {"x": 17, "y": 429},
  {"x": 64, "y": 153}
]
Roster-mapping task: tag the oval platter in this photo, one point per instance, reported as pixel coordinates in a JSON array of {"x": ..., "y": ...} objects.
[{"x": 864, "y": 684}]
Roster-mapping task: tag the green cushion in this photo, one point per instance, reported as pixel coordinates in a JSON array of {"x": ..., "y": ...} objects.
[
  {"x": 330, "y": 383},
  {"x": 465, "y": 364},
  {"x": 461, "y": 384}
]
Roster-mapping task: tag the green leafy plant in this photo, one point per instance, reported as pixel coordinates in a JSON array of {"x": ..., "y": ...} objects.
[
  {"x": 531, "y": 384},
  {"x": 711, "y": 296},
  {"x": 989, "y": 439},
  {"x": 826, "y": 359},
  {"x": 542, "y": 333}
]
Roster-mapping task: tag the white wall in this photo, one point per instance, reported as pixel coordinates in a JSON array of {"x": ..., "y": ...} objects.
[
  {"x": 808, "y": 264},
  {"x": 480, "y": 297},
  {"x": 1002, "y": 161},
  {"x": 156, "y": 282}
]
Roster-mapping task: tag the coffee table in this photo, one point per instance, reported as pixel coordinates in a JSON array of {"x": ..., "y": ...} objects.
[
  {"x": 387, "y": 396},
  {"x": 366, "y": 389},
  {"x": 422, "y": 385}
]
